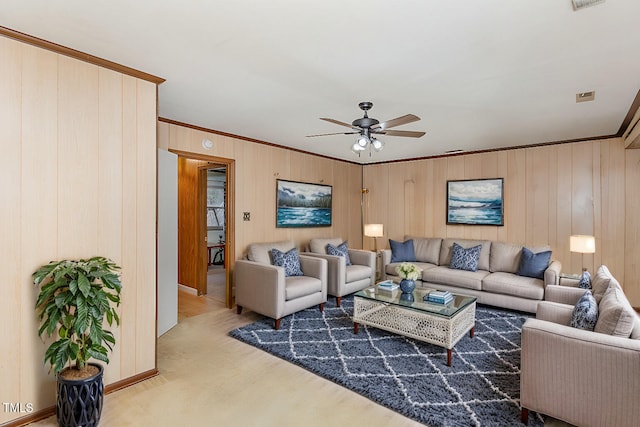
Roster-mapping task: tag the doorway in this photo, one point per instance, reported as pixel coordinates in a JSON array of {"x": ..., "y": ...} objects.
[{"x": 205, "y": 224}]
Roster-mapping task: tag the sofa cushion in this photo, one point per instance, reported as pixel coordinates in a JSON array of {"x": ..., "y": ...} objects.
[
  {"x": 533, "y": 264},
  {"x": 319, "y": 245},
  {"x": 446, "y": 250},
  {"x": 459, "y": 278},
  {"x": 287, "y": 260},
  {"x": 465, "y": 259},
  {"x": 512, "y": 284},
  {"x": 635, "y": 332},
  {"x": 426, "y": 249},
  {"x": 504, "y": 257},
  {"x": 402, "y": 251},
  {"x": 300, "y": 286},
  {"x": 601, "y": 281},
  {"x": 585, "y": 312},
  {"x": 357, "y": 272},
  {"x": 390, "y": 269},
  {"x": 261, "y": 252},
  {"x": 341, "y": 250},
  {"x": 615, "y": 315}
]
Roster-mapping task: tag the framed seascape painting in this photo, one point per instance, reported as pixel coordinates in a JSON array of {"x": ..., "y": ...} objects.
[
  {"x": 300, "y": 204},
  {"x": 475, "y": 202}
]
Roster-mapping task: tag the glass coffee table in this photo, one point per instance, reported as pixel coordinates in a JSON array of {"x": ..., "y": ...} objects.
[{"x": 408, "y": 315}]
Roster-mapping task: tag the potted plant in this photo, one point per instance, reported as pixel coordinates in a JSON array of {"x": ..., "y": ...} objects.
[
  {"x": 409, "y": 274},
  {"x": 74, "y": 299}
]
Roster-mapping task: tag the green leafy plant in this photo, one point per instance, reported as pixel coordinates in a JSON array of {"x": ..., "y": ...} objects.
[
  {"x": 75, "y": 296},
  {"x": 406, "y": 270}
]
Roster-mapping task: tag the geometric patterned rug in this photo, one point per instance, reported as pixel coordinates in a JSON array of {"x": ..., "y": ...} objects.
[{"x": 481, "y": 388}]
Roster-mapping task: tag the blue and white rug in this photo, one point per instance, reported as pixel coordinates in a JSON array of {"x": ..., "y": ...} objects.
[{"x": 481, "y": 388}]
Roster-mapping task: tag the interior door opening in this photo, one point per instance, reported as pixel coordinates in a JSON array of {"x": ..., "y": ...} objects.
[{"x": 216, "y": 197}]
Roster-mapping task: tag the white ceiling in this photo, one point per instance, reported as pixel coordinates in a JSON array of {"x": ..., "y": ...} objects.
[{"x": 480, "y": 74}]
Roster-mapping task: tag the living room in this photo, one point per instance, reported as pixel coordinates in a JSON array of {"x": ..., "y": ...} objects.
[{"x": 57, "y": 106}]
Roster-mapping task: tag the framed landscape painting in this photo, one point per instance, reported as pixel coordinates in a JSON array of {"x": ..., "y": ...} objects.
[
  {"x": 475, "y": 202},
  {"x": 300, "y": 204}
]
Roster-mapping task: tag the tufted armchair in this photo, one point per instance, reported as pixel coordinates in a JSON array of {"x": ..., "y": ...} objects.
[
  {"x": 265, "y": 289},
  {"x": 345, "y": 279}
]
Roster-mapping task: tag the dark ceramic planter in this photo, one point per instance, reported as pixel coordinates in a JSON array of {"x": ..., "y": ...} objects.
[{"x": 79, "y": 402}]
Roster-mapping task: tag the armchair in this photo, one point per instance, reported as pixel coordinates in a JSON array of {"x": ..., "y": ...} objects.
[
  {"x": 579, "y": 376},
  {"x": 265, "y": 289},
  {"x": 343, "y": 279}
]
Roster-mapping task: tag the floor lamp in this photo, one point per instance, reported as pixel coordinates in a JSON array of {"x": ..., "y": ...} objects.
[{"x": 583, "y": 245}]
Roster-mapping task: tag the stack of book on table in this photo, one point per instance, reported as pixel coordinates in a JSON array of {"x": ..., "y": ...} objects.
[
  {"x": 388, "y": 285},
  {"x": 439, "y": 297}
]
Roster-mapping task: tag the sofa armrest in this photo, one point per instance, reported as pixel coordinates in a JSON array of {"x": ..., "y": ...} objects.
[
  {"x": 336, "y": 269},
  {"x": 552, "y": 273},
  {"x": 563, "y": 294},
  {"x": 314, "y": 266},
  {"x": 581, "y": 377},
  {"x": 555, "y": 312},
  {"x": 260, "y": 287},
  {"x": 386, "y": 260},
  {"x": 362, "y": 257}
]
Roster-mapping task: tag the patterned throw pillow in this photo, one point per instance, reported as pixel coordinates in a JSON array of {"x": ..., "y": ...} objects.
[
  {"x": 533, "y": 265},
  {"x": 342, "y": 250},
  {"x": 289, "y": 261},
  {"x": 465, "y": 259},
  {"x": 585, "y": 313},
  {"x": 585, "y": 280}
]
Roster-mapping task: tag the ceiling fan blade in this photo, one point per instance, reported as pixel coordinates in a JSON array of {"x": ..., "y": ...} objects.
[
  {"x": 409, "y": 133},
  {"x": 403, "y": 120},
  {"x": 337, "y": 122},
  {"x": 336, "y": 133}
]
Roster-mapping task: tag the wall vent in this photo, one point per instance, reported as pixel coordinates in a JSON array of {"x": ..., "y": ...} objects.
[
  {"x": 581, "y": 4},
  {"x": 585, "y": 96}
]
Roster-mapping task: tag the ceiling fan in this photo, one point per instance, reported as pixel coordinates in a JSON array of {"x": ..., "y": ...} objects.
[{"x": 368, "y": 127}]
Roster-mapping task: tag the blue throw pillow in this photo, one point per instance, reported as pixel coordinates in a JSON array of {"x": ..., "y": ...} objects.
[
  {"x": 585, "y": 312},
  {"x": 342, "y": 250},
  {"x": 289, "y": 261},
  {"x": 585, "y": 280},
  {"x": 402, "y": 251},
  {"x": 533, "y": 265},
  {"x": 465, "y": 259}
]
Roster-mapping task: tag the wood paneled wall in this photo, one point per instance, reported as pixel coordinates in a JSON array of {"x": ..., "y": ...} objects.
[
  {"x": 257, "y": 168},
  {"x": 550, "y": 192},
  {"x": 78, "y": 173}
]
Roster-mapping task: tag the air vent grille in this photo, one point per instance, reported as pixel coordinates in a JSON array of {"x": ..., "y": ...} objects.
[{"x": 585, "y": 96}]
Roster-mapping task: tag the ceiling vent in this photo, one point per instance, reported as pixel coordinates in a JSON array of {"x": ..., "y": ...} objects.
[
  {"x": 585, "y": 96},
  {"x": 581, "y": 4}
]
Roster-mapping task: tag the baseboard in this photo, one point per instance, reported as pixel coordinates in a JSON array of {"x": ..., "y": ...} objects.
[
  {"x": 51, "y": 410},
  {"x": 187, "y": 289}
]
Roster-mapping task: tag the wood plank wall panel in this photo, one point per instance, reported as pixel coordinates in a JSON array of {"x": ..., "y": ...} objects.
[
  {"x": 550, "y": 192},
  {"x": 632, "y": 226},
  {"x": 257, "y": 168},
  {"x": 39, "y": 209},
  {"x": 10, "y": 222},
  {"x": 78, "y": 162}
]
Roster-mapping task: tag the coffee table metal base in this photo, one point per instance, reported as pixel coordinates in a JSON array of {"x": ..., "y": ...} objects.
[{"x": 421, "y": 325}]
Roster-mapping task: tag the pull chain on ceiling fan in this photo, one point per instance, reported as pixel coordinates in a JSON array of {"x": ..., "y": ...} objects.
[{"x": 367, "y": 127}]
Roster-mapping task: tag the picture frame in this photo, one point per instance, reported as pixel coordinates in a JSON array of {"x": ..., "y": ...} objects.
[
  {"x": 303, "y": 204},
  {"x": 475, "y": 201}
]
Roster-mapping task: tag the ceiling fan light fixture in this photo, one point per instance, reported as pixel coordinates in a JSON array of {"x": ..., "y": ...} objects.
[
  {"x": 377, "y": 144},
  {"x": 362, "y": 141},
  {"x": 357, "y": 148}
]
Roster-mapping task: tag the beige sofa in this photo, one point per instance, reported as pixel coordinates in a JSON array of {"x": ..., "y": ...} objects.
[
  {"x": 495, "y": 283},
  {"x": 583, "y": 377}
]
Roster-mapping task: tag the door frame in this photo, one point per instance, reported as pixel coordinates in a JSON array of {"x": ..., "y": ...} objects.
[{"x": 229, "y": 247}]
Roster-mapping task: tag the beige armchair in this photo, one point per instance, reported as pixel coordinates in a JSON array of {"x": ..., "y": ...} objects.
[
  {"x": 582, "y": 377},
  {"x": 264, "y": 288},
  {"x": 343, "y": 279}
]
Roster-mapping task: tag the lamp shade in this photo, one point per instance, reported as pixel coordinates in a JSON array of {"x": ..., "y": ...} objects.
[
  {"x": 373, "y": 230},
  {"x": 582, "y": 244}
]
